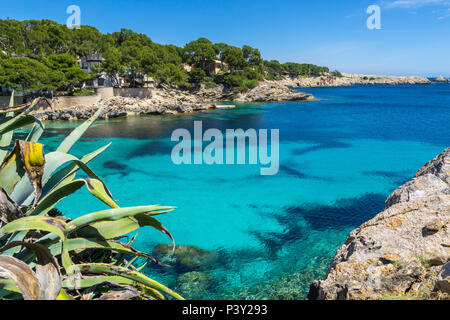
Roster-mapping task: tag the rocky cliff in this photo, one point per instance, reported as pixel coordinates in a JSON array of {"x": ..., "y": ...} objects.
[{"x": 402, "y": 253}]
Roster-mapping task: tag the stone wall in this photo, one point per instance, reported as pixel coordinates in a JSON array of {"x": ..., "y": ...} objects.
[
  {"x": 4, "y": 101},
  {"x": 69, "y": 102},
  {"x": 142, "y": 93},
  {"x": 105, "y": 93}
]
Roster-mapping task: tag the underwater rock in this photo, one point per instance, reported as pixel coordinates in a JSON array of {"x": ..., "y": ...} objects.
[
  {"x": 185, "y": 258},
  {"x": 193, "y": 285},
  {"x": 114, "y": 165}
]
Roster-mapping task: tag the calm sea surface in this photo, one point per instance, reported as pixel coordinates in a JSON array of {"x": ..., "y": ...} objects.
[{"x": 340, "y": 157}]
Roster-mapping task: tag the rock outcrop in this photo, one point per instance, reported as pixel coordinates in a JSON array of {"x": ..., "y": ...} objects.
[
  {"x": 273, "y": 92},
  {"x": 441, "y": 79},
  {"x": 402, "y": 253},
  {"x": 352, "y": 79},
  {"x": 185, "y": 258}
]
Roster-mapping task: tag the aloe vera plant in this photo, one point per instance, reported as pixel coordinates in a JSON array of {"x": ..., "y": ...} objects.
[{"x": 43, "y": 257}]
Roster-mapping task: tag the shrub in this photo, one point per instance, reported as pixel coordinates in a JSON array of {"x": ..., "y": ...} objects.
[
  {"x": 233, "y": 81},
  {"x": 250, "y": 84},
  {"x": 336, "y": 74},
  {"x": 251, "y": 74},
  {"x": 197, "y": 76}
]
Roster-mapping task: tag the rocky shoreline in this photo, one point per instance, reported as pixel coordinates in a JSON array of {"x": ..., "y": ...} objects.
[
  {"x": 168, "y": 100},
  {"x": 402, "y": 253}
]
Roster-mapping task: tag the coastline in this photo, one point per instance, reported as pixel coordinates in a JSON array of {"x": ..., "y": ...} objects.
[{"x": 170, "y": 100}]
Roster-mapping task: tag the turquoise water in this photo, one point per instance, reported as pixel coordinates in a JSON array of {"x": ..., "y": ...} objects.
[{"x": 340, "y": 157}]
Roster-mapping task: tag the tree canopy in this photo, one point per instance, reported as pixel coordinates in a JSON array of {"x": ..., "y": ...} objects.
[{"x": 43, "y": 55}]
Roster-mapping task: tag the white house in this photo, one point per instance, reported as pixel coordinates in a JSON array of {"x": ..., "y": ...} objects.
[{"x": 103, "y": 80}]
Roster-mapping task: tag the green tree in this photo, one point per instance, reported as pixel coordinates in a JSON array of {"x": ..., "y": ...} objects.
[
  {"x": 199, "y": 50},
  {"x": 233, "y": 57},
  {"x": 252, "y": 56},
  {"x": 28, "y": 75},
  {"x": 172, "y": 74},
  {"x": 112, "y": 66},
  {"x": 196, "y": 76},
  {"x": 68, "y": 65}
]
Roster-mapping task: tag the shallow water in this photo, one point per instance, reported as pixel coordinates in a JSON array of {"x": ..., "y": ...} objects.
[{"x": 340, "y": 157}]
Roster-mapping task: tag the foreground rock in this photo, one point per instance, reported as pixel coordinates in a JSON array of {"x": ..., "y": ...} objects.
[{"x": 404, "y": 251}]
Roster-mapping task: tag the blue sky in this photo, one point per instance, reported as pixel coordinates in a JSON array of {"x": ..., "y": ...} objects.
[{"x": 414, "y": 38}]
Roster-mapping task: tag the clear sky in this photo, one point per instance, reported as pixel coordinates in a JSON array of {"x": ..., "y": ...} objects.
[{"x": 414, "y": 37}]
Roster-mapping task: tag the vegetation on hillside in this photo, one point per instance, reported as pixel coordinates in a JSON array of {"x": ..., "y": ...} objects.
[
  {"x": 46, "y": 256},
  {"x": 41, "y": 55}
]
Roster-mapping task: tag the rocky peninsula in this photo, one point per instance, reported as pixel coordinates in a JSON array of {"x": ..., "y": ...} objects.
[
  {"x": 172, "y": 100},
  {"x": 348, "y": 79},
  {"x": 404, "y": 251}
]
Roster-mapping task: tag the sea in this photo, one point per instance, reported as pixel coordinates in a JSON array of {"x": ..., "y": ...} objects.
[{"x": 269, "y": 236}]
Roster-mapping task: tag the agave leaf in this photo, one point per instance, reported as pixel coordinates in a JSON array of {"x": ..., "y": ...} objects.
[
  {"x": 25, "y": 157},
  {"x": 25, "y": 109},
  {"x": 97, "y": 188},
  {"x": 9, "y": 285},
  {"x": 5, "y": 142},
  {"x": 9, "y": 210},
  {"x": 12, "y": 169},
  {"x": 23, "y": 193},
  {"x": 34, "y": 161},
  {"x": 114, "y": 229},
  {"x": 101, "y": 268},
  {"x": 120, "y": 292},
  {"x": 16, "y": 123},
  {"x": 91, "y": 281},
  {"x": 65, "y": 189},
  {"x": 22, "y": 275},
  {"x": 70, "y": 169},
  {"x": 112, "y": 245},
  {"x": 64, "y": 296},
  {"x": 48, "y": 202},
  {"x": 116, "y": 214},
  {"x": 56, "y": 195},
  {"x": 47, "y": 269},
  {"x": 6, "y": 138},
  {"x": 68, "y": 142},
  {"x": 36, "y": 131},
  {"x": 53, "y": 225}
]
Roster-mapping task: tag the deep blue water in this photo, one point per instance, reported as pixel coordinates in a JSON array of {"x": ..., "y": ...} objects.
[{"x": 340, "y": 157}]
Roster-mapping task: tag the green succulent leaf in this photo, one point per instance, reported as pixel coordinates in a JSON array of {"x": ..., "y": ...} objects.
[
  {"x": 76, "y": 134},
  {"x": 102, "y": 268}
]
